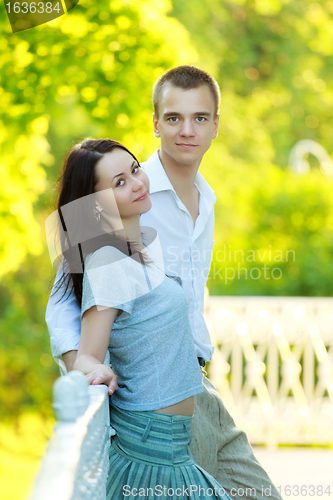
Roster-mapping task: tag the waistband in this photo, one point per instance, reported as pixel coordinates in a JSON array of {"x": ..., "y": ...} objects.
[{"x": 151, "y": 437}]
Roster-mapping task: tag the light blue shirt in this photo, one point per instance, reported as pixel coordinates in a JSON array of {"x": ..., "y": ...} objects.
[
  {"x": 187, "y": 250},
  {"x": 151, "y": 340}
]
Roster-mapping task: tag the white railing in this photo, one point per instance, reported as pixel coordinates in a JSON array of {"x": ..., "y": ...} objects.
[
  {"x": 273, "y": 366},
  {"x": 76, "y": 462}
]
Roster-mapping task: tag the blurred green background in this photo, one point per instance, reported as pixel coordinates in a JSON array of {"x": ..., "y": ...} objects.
[{"x": 90, "y": 73}]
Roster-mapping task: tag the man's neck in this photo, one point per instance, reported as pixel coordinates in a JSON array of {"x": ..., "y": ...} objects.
[{"x": 181, "y": 176}]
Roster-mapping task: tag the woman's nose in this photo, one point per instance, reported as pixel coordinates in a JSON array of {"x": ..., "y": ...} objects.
[{"x": 137, "y": 184}]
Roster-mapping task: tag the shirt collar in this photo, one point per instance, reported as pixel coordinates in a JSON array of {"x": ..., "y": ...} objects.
[{"x": 159, "y": 181}]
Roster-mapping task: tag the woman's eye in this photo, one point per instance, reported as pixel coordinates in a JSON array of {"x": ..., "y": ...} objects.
[
  {"x": 136, "y": 169},
  {"x": 121, "y": 182}
]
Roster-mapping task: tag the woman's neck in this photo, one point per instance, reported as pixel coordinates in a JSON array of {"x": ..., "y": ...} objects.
[{"x": 133, "y": 235}]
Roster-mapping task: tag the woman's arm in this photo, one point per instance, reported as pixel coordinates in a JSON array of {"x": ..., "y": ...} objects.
[
  {"x": 96, "y": 326},
  {"x": 69, "y": 358}
]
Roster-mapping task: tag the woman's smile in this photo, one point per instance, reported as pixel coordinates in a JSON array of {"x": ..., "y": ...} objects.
[{"x": 143, "y": 197}]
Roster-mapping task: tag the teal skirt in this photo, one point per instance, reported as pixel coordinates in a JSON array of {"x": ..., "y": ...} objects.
[{"x": 150, "y": 458}]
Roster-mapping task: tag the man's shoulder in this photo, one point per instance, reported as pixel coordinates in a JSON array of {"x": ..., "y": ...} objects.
[
  {"x": 158, "y": 178},
  {"x": 151, "y": 162}
]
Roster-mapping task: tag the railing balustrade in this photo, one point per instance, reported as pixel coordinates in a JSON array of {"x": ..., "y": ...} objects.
[
  {"x": 273, "y": 366},
  {"x": 76, "y": 462}
]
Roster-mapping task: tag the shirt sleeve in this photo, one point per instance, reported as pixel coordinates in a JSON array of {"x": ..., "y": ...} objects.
[
  {"x": 63, "y": 319},
  {"x": 113, "y": 279}
]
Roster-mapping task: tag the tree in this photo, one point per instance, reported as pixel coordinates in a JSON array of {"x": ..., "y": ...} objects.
[
  {"x": 273, "y": 61},
  {"x": 88, "y": 73}
]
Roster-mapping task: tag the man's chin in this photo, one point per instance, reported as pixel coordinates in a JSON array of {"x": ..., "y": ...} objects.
[{"x": 187, "y": 157}]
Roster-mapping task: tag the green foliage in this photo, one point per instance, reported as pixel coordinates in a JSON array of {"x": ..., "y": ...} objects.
[
  {"x": 27, "y": 368},
  {"x": 272, "y": 218},
  {"x": 88, "y": 73},
  {"x": 273, "y": 61}
]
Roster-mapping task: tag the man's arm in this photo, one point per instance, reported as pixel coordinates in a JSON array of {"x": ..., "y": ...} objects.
[{"x": 63, "y": 319}]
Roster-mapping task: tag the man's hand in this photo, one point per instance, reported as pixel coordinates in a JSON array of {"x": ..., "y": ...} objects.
[
  {"x": 69, "y": 358},
  {"x": 102, "y": 374}
]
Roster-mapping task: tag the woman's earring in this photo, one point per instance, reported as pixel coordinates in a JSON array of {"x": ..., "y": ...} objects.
[{"x": 97, "y": 214}]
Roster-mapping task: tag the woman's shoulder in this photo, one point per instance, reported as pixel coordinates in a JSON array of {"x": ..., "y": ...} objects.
[
  {"x": 111, "y": 264},
  {"x": 105, "y": 255}
]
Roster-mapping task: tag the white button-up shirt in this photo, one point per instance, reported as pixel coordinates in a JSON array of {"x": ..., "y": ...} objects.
[{"x": 187, "y": 251}]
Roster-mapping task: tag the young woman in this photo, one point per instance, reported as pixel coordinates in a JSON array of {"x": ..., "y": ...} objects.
[{"x": 131, "y": 308}]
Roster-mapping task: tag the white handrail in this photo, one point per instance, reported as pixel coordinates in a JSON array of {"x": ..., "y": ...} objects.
[
  {"x": 76, "y": 462},
  {"x": 273, "y": 365}
]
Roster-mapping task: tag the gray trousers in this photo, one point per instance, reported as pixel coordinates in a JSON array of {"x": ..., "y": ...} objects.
[{"x": 224, "y": 451}]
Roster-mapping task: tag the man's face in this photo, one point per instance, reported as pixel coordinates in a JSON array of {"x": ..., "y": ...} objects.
[{"x": 186, "y": 124}]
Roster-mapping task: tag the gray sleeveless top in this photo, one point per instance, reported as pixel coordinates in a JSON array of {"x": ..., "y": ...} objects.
[{"x": 151, "y": 345}]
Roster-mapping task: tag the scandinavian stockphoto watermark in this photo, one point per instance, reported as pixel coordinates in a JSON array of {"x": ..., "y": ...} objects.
[
  {"x": 229, "y": 263},
  {"x": 26, "y": 14},
  {"x": 92, "y": 222}
]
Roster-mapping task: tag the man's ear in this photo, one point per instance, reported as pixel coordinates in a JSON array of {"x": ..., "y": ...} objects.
[
  {"x": 155, "y": 122},
  {"x": 216, "y": 126}
]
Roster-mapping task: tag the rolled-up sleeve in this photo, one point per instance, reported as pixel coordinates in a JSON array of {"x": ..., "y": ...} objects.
[{"x": 63, "y": 319}]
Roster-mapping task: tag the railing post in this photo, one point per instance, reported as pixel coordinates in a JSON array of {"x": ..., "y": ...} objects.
[
  {"x": 70, "y": 397},
  {"x": 76, "y": 463}
]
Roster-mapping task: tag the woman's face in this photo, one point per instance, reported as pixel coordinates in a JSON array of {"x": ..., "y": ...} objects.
[{"x": 130, "y": 184}]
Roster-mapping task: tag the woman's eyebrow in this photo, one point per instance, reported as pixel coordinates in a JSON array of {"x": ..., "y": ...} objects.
[
  {"x": 123, "y": 173},
  {"x": 118, "y": 175}
]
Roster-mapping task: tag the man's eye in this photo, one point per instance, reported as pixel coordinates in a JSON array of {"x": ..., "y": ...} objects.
[
  {"x": 201, "y": 119},
  {"x": 173, "y": 119}
]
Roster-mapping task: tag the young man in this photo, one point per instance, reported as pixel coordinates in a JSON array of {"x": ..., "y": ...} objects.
[{"x": 186, "y": 101}]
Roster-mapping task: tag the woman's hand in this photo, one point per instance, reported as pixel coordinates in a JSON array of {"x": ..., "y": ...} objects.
[
  {"x": 102, "y": 374},
  {"x": 96, "y": 326}
]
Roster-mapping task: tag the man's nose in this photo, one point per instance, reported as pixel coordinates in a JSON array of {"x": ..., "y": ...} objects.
[{"x": 187, "y": 128}]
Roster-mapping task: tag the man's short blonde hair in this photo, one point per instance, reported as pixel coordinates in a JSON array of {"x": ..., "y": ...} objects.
[{"x": 186, "y": 77}]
